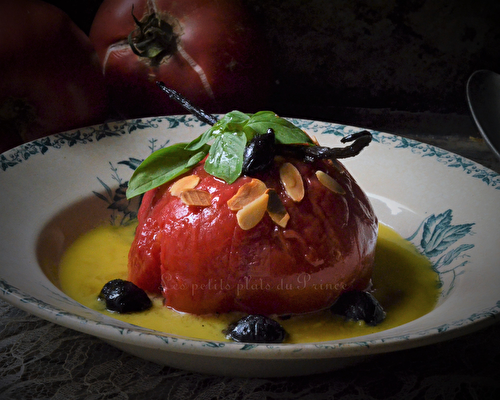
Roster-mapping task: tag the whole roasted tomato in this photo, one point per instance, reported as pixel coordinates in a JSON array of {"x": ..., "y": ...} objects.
[
  {"x": 204, "y": 262},
  {"x": 50, "y": 80},
  {"x": 209, "y": 51}
]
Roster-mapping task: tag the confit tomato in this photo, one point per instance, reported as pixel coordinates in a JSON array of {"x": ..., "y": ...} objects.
[
  {"x": 203, "y": 262},
  {"x": 50, "y": 77},
  {"x": 209, "y": 51}
]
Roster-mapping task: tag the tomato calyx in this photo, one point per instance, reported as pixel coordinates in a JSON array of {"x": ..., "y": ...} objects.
[{"x": 154, "y": 38}]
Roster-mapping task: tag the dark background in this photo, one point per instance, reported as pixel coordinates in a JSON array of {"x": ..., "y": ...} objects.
[{"x": 399, "y": 66}]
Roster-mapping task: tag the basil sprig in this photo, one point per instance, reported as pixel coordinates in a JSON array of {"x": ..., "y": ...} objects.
[{"x": 230, "y": 135}]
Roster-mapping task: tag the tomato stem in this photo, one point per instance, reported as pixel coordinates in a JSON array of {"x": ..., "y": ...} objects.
[{"x": 153, "y": 38}]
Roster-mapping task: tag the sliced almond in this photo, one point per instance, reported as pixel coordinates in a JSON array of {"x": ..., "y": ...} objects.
[
  {"x": 276, "y": 209},
  {"x": 253, "y": 212},
  {"x": 292, "y": 181},
  {"x": 195, "y": 197},
  {"x": 329, "y": 182},
  {"x": 247, "y": 193},
  {"x": 188, "y": 182},
  {"x": 335, "y": 164}
]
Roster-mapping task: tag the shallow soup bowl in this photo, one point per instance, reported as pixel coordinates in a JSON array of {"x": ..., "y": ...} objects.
[{"x": 59, "y": 187}]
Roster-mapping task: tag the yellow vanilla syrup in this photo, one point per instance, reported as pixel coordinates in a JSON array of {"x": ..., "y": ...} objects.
[{"x": 403, "y": 280}]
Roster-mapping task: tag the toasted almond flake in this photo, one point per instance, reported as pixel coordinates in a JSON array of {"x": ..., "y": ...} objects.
[
  {"x": 247, "y": 193},
  {"x": 329, "y": 182},
  {"x": 188, "y": 182},
  {"x": 195, "y": 197},
  {"x": 276, "y": 209},
  {"x": 292, "y": 181},
  {"x": 335, "y": 164},
  {"x": 283, "y": 221},
  {"x": 250, "y": 215}
]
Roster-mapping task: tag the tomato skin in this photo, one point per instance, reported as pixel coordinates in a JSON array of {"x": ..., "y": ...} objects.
[
  {"x": 208, "y": 264},
  {"x": 232, "y": 62},
  {"x": 50, "y": 77}
]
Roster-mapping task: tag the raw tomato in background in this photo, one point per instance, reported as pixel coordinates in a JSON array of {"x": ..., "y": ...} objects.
[
  {"x": 211, "y": 52},
  {"x": 50, "y": 79}
]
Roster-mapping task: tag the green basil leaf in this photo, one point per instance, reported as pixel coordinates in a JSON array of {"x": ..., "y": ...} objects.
[
  {"x": 289, "y": 134},
  {"x": 237, "y": 117},
  {"x": 225, "y": 159},
  {"x": 162, "y": 166},
  {"x": 263, "y": 116},
  {"x": 197, "y": 157},
  {"x": 200, "y": 141},
  {"x": 285, "y": 131},
  {"x": 231, "y": 122}
]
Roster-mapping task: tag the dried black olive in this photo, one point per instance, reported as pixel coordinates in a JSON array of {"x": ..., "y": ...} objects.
[
  {"x": 356, "y": 305},
  {"x": 259, "y": 153},
  {"x": 124, "y": 297},
  {"x": 256, "y": 329}
]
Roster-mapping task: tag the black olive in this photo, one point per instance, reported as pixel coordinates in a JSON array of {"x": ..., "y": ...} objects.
[
  {"x": 124, "y": 297},
  {"x": 356, "y": 305},
  {"x": 259, "y": 153},
  {"x": 256, "y": 329}
]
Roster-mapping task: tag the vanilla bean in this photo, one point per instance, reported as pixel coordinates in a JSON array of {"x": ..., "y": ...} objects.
[
  {"x": 196, "y": 111},
  {"x": 309, "y": 153},
  {"x": 356, "y": 135}
]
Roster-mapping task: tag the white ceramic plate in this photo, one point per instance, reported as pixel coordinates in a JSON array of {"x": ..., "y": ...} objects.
[{"x": 56, "y": 188}]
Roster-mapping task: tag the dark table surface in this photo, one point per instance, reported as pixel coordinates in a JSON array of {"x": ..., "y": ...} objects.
[{"x": 40, "y": 360}]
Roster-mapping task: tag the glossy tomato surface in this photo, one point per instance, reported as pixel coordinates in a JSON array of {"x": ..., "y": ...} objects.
[
  {"x": 209, "y": 51},
  {"x": 50, "y": 77},
  {"x": 203, "y": 262}
]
